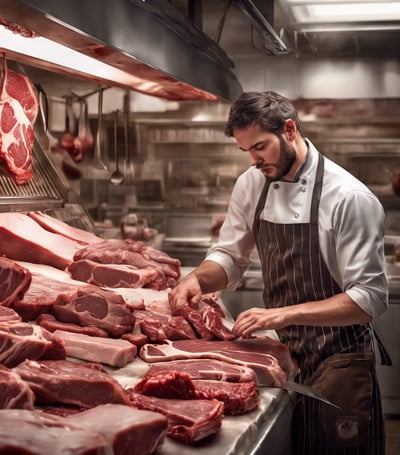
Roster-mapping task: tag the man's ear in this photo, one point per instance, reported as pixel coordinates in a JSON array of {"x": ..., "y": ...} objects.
[{"x": 290, "y": 129}]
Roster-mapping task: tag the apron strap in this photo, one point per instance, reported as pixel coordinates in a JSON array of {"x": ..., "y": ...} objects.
[{"x": 383, "y": 353}]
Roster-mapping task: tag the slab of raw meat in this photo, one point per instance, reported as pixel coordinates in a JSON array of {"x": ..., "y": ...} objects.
[
  {"x": 8, "y": 315},
  {"x": 30, "y": 432},
  {"x": 127, "y": 430},
  {"x": 14, "y": 392},
  {"x": 179, "y": 329},
  {"x": 261, "y": 355},
  {"x": 213, "y": 369},
  {"x": 95, "y": 307},
  {"x": 22, "y": 239},
  {"x": 21, "y": 340},
  {"x": 114, "y": 352},
  {"x": 238, "y": 398},
  {"x": 111, "y": 275},
  {"x": 189, "y": 421},
  {"x": 66, "y": 382},
  {"x": 16, "y": 131},
  {"x": 49, "y": 322},
  {"x": 60, "y": 227},
  {"x": 14, "y": 281}
]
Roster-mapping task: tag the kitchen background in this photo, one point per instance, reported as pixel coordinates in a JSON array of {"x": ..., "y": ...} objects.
[{"x": 178, "y": 166}]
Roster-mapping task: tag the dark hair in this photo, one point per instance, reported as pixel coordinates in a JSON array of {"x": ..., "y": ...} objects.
[{"x": 267, "y": 109}]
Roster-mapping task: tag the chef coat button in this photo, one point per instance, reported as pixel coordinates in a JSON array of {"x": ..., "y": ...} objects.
[
  {"x": 296, "y": 215},
  {"x": 303, "y": 189},
  {"x": 275, "y": 186},
  {"x": 303, "y": 181}
]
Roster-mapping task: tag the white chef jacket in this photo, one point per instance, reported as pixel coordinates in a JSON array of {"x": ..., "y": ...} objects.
[{"x": 351, "y": 228}]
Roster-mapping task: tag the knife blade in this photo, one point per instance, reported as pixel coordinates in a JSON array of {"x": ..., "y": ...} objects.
[{"x": 307, "y": 391}]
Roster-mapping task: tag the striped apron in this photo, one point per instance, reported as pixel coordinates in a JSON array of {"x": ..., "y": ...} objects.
[{"x": 338, "y": 361}]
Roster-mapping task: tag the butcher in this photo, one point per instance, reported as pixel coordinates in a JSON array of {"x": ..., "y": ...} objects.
[{"x": 319, "y": 234}]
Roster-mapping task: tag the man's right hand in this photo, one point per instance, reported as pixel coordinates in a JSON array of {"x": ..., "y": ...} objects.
[{"x": 187, "y": 291}]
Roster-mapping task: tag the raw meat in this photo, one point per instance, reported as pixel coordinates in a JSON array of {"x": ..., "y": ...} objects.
[
  {"x": 127, "y": 430},
  {"x": 22, "y": 239},
  {"x": 211, "y": 316},
  {"x": 14, "y": 281},
  {"x": 21, "y": 340},
  {"x": 26, "y": 432},
  {"x": 207, "y": 369},
  {"x": 59, "y": 227},
  {"x": 153, "y": 329},
  {"x": 14, "y": 392},
  {"x": 49, "y": 322},
  {"x": 137, "y": 254},
  {"x": 112, "y": 275},
  {"x": 41, "y": 296},
  {"x": 116, "y": 353},
  {"x": 95, "y": 307},
  {"x": 66, "y": 382},
  {"x": 261, "y": 355},
  {"x": 18, "y": 109},
  {"x": 187, "y": 422},
  {"x": 179, "y": 329},
  {"x": 8, "y": 315},
  {"x": 194, "y": 317},
  {"x": 238, "y": 398}
]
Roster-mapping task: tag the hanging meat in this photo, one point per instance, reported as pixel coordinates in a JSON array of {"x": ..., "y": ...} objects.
[
  {"x": 68, "y": 141},
  {"x": 84, "y": 141},
  {"x": 18, "y": 111}
]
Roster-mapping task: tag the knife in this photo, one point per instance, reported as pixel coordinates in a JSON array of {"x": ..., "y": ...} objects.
[{"x": 292, "y": 386}]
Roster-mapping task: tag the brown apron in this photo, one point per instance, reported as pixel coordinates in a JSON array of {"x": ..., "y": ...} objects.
[{"x": 339, "y": 361}]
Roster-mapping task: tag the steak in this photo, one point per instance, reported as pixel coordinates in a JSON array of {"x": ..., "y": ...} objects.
[
  {"x": 22, "y": 239},
  {"x": 27, "y": 432},
  {"x": 49, "y": 322},
  {"x": 14, "y": 281},
  {"x": 14, "y": 392},
  {"x": 112, "y": 275},
  {"x": 95, "y": 307},
  {"x": 214, "y": 369},
  {"x": 127, "y": 430},
  {"x": 66, "y": 382},
  {"x": 18, "y": 110},
  {"x": 188, "y": 422},
  {"x": 116, "y": 353},
  {"x": 21, "y": 340},
  {"x": 60, "y": 227},
  {"x": 260, "y": 354},
  {"x": 8, "y": 315},
  {"x": 238, "y": 398}
]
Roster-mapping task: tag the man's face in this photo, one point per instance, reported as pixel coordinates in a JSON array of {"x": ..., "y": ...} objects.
[{"x": 273, "y": 155}]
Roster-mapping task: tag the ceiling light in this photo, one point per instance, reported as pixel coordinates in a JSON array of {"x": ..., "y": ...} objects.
[{"x": 328, "y": 11}]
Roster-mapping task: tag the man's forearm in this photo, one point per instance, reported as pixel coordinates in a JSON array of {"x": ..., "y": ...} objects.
[{"x": 211, "y": 276}]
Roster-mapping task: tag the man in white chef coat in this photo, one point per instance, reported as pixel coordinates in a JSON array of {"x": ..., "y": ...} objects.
[{"x": 319, "y": 233}]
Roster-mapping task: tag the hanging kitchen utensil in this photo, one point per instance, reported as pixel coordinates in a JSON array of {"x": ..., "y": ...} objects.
[
  {"x": 97, "y": 162},
  {"x": 129, "y": 173},
  {"x": 85, "y": 138},
  {"x": 116, "y": 177},
  {"x": 68, "y": 141}
]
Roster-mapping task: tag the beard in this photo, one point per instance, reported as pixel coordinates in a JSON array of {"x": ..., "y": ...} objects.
[{"x": 286, "y": 160}]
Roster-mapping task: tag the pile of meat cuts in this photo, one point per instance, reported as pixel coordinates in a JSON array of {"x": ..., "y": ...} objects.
[
  {"x": 18, "y": 111},
  {"x": 64, "y": 328}
]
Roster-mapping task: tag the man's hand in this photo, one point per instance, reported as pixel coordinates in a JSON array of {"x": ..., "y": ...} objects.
[
  {"x": 250, "y": 321},
  {"x": 187, "y": 291}
]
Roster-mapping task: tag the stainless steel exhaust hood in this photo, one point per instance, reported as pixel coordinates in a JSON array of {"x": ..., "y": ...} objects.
[{"x": 149, "y": 39}]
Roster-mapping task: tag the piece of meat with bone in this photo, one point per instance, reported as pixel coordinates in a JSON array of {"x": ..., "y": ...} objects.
[
  {"x": 18, "y": 110},
  {"x": 269, "y": 359},
  {"x": 32, "y": 432},
  {"x": 22, "y": 239},
  {"x": 127, "y": 430},
  {"x": 50, "y": 323},
  {"x": 217, "y": 370},
  {"x": 186, "y": 423},
  {"x": 137, "y": 254},
  {"x": 41, "y": 296},
  {"x": 94, "y": 307},
  {"x": 21, "y": 340},
  {"x": 238, "y": 398},
  {"x": 67, "y": 382},
  {"x": 60, "y": 227},
  {"x": 14, "y": 392},
  {"x": 112, "y": 275},
  {"x": 14, "y": 281},
  {"x": 113, "y": 352}
]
